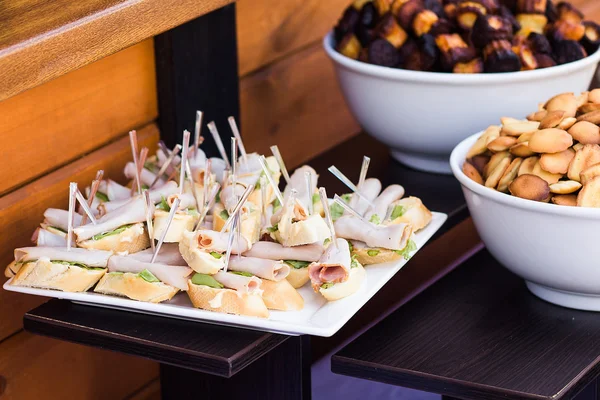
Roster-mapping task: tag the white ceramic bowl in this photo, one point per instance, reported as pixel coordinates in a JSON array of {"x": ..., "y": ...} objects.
[
  {"x": 421, "y": 116},
  {"x": 554, "y": 248}
]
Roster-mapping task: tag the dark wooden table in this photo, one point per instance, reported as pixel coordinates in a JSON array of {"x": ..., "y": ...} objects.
[
  {"x": 480, "y": 334},
  {"x": 223, "y": 362}
]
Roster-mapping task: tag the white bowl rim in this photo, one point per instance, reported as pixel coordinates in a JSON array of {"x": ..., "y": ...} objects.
[
  {"x": 457, "y": 158},
  {"x": 450, "y": 78}
]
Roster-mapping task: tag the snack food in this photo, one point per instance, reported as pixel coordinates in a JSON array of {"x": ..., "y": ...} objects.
[{"x": 556, "y": 156}]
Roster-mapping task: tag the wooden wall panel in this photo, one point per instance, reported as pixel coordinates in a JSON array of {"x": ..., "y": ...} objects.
[
  {"x": 296, "y": 104},
  {"x": 36, "y": 367},
  {"x": 22, "y": 211},
  {"x": 271, "y": 29},
  {"x": 53, "y": 124}
]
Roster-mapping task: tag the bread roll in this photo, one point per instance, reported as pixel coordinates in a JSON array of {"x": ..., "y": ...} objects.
[
  {"x": 227, "y": 301},
  {"x": 134, "y": 287},
  {"x": 46, "y": 274},
  {"x": 131, "y": 240}
]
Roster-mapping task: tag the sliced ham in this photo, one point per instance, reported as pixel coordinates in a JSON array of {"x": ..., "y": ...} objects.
[
  {"x": 229, "y": 197},
  {"x": 393, "y": 237},
  {"x": 132, "y": 212},
  {"x": 42, "y": 237},
  {"x": 217, "y": 167},
  {"x": 169, "y": 254},
  {"x": 333, "y": 266},
  {"x": 147, "y": 177},
  {"x": 174, "y": 275},
  {"x": 209, "y": 240},
  {"x": 275, "y": 251},
  {"x": 113, "y": 190},
  {"x": 243, "y": 284},
  {"x": 370, "y": 189},
  {"x": 249, "y": 165},
  {"x": 389, "y": 195},
  {"x": 156, "y": 195},
  {"x": 263, "y": 268},
  {"x": 91, "y": 258},
  {"x": 298, "y": 182},
  {"x": 187, "y": 200},
  {"x": 60, "y": 218}
]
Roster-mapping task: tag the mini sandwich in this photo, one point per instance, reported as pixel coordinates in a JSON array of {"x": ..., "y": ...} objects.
[
  {"x": 297, "y": 258},
  {"x": 204, "y": 250},
  {"x": 137, "y": 278},
  {"x": 292, "y": 226},
  {"x": 370, "y": 189},
  {"x": 251, "y": 218},
  {"x": 147, "y": 177},
  {"x": 74, "y": 270},
  {"x": 250, "y": 171},
  {"x": 277, "y": 294},
  {"x": 184, "y": 220},
  {"x": 157, "y": 195},
  {"x": 337, "y": 274},
  {"x": 42, "y": 237},
  {"x": 108, "y": 191},
  {"x": 228, "y": 292},
  {"x": 56, "y": 221},
  {"x": 120, "y": 231}
]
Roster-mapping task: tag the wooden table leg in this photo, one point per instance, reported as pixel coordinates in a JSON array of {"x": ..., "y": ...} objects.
[{"x": 282, "y": 374}]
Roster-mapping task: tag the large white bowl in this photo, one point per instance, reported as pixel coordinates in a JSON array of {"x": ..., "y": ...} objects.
[
  {"x": 421, "y": 116},
  {"x": 554, "y": 248}
]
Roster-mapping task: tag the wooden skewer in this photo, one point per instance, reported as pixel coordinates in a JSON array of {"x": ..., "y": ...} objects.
[
  {"x": 149, "y": 215},
  {"x": 263, "y": 164},
  {"x": 238, "y": 207},
  {"x": 279, "y": 158},
  {"x": 230, "y": 242},
  {"x": 234, "y": 166},
  {"x": 206, "y": 182},
  {"x": 134, "y": 150},
  {"x": 197, "y": 128},
  {"x": 164, "y": 234},
  {"x": 168, "y": 162},
  {"x": 84, "y": 205},
  {"x": 363, "y": 170},
  {"x": 72, "y": 190},
  {"x": 184, "y": 159},
  {"x": 192, "y": 184},
  {"x": 347, "y": 207},
  {"x": 208, "y": 204},
  {"x": 93, "y": 190},
  {"x": 264, "y": 200},
  {"x": 308, "y": 178},
  {"x": 236, "y": 134},
  {"x": 141, "y": 163},
  {"x": 338, "y": 174},
  {"x": 215, "y": 134},
  {"x": 325, "y": 202}
]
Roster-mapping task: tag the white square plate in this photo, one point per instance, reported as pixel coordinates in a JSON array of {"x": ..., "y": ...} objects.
[{"x": 319, "y": 317}]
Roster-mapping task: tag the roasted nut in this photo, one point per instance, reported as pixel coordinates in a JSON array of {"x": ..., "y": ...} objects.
[
  {"x": 509, "y": 175},
  {"x": 544, "y": 61},
  {"x": 442, "y": 27},
  {"x": 530, "y": 187},
  {"x": 450, "y": 10},
  {"x": 552, "y": 119},
  {"x": 407, "y": 12},
  {"x": 582, "y": 99},
  {"x": 396, "y": 6},
  {"x": 421, "y": 55},
  {"x": 382, "y": 52},
  {"x": 517, "y": 128},
  {"x": 557, "y": 163},
  {"x": 588, "y": 108},
  {"x": 539, "y": 44},
  {"x": 521, "y": 150},
  {"x": 347, "y": 23},
  {"x": 566, "y": 51},
  {"x": 584, "y": 158},
  {"x": 528, "y": 60},
  {"x": 497, "y": 173},
  {"x": 525, "y": 137},
  {"x": 545, "y": 175},
  {"x": 479, "y": 162},
  {"x": 359, "y": 4},
  {"x": 453, "y": 50},
  {"x": 578, "y": 146},
  {"x": 589, "y": 196},
  {"x": 531, "y": 6},
  {"x": 527, "y": 165},
  {"x": 531, "y": 23},
  {"x": 349, "y": 46},
  {"x": 566, "y": 102},
  {"x": 537, "y": 116},
  {"x": 429, "y": 52},
  {"x": 474, "y": 66},
  {"x": 480, "y": 145},
  {"x": 491, "y": 6},
  {"x": 501, "y": 143},
  {"x": 589, "y": 173},
  {"x": 565, "y": 200},
  {"x": 423, "y": 22},
  {"x": 510, "y": 120},
  {"x": 472, "y": 173},
  {"x": 382, "y": 6},
  {"x": 550, "y": 141},
  {"x": 389, "y": 30},
  {"x": 567, "y": 12},
  {"x": 565, "y": 187},
  {"x": 565, "y": 30},
  {"x": 495, "y": 160},
  {"x": 368, "y": 15},
  {"x": 567, "y": 123},
  {"x": 591, "y": 38},
  {"x": 498, "y": 56},
  {"x": 585, "y": 132},
  {"x": 593, "y": 117},
  {"x": 594, "y": 96},
  {"x": 364, "y": 35},
  {"x": 488, "y": 28},
  {"x": 467, "y": 13},
  {"x": 436, "y": 6},
  {"x": 505, "y": 13},
  {"x": 551, "y": 11}
]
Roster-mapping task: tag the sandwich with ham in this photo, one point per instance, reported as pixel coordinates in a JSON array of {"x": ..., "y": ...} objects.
[
  {"x": 228, "y": 292},
  {"x": 56, "y": 268},
  {"x": 56, "y": 221},
  {"x": 204, "y": 249},
  {"x": 184, "y": 220},
  {"x": 292, "y": 226},
  {"x": 337, "y": 274}
]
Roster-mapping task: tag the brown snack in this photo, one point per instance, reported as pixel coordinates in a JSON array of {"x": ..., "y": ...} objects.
[
  {"x": 591, "y": 38},
  {"x": 505, "y": 13},
  {"x": 593, "y": 117},
  {"x": 491, "y": 6},
  {"x": 531, "y": 23},
  {"x": 479, "y": 162},
  {"x": 423, "y": 22},
  {"x": 488, "y": 28},
  {"x": 566, "y": 51},
  {"x": 497, "y": 173},
  {"x": 538, "y": 43},
  {"x": 521, "y": 150},
  {"x": 589, "y": 173},
  {"x": 566, "y": 102},
  {"x": 525, "y": 137},
  {"x": 552, "y": 119},
  {"x": 349, "y": 46},
  {"x": 583, "y": 99},
  {"x": 544, "y": 61},
  {"x": 584, "y": 158},
  {"x": 474, "y": 66},
  {"x": 537, "y": 116},
  {"x": 565, "y": 200},
  {"x": 502, "y": 143},
  {"x": 510, "y": 120},
  {"x": 589, "y": 196},
  {"x": 347, "y": 23},
  {"x": 565, "y": 30},
  {"x": 527, "y": 165},
  {"x": 389, "y": 30},
  {"x": 550, "y": 140},
  {"x": 436, "y": 6},
  {"x": 382, "y": 52},
  {"x": 467, "y": 13},
  {"x": 382, "y": 6},
  {"x": 518, "y": 128},
  {"x": 531, "y": 6},
  {"x": 453, "y": 50},
  {"x": 359, "y": 4},
  {"x": 567, "y": 12},
  {"x": 588, "y": 107},
  {"x": 480, "y": 145},
  {"x": 545, "y": 175},
  {"x": 499, "y": 56},
  {"x": 509, "y": 175},
  {"x": 407, "y": 12},
  {"x": 585, "y": 132},
  {"x": 551, "y": 11},
  {"x": 495, "y": 160},
  {"x": 530, "y": 187},
  {"x": 565, "y": 187},
  {"x": 396, "y": 5},
  {"x": 557, "y": 163},
  {"x": 429, "y": 53},
  {"x": 567, "y": 123},
  {"x": 577, "y": 146},
  {"x": 470, "y": 171},
  {"x": 528, "y": 60},
  {"x": 450, "y": 10},
  {"x": 594, "y": 96}
]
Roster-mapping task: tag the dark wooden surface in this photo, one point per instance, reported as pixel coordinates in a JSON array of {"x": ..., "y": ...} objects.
[
  {"x": 197, "y": 69},
  {"x": 480, "y": 334}
]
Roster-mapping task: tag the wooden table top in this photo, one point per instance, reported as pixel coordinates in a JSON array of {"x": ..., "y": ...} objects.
[{"x": 480, "y": 334}]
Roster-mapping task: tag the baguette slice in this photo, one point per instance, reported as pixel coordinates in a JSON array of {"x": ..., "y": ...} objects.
[
  {"x": 298, "y": 277},
  {"x": 135, "y": 287},
  {"x": 131, "y": 240},
  {"x": 250, "y": 222},
  {"x": 415, "y": 213},
  {"x": 11, "y": 269},
  {"x": 45, "y": 274},
  {"x": 227, "y": 301},
  {"x": 311, "y": 230},
  {"x": 281, "y": 296},
  {"x": 182, "y": 222},
  {"x": 380, "y": 256},
  {"x": 345, "y": 289}
]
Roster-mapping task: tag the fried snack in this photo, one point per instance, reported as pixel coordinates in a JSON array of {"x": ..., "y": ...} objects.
[
  {"x": 488, "y": 28},
  {"x": 499, "y": 56},
  {"x": 530, "y": 187},
  {"x": 453, "y": 50},
  {"x": 566, "y": 51}
]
